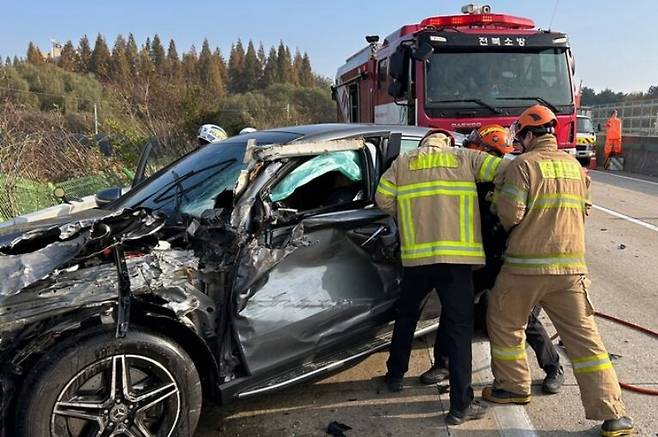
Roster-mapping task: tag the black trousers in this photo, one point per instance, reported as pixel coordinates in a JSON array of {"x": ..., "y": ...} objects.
[
  {"x": 536, "y": 336},
  {"x": 541, "y": 343},
  {"x": 454, "y": 285}
]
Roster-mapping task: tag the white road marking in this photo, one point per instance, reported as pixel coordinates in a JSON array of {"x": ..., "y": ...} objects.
[
  {"x": 512, "y": 420},
  {"x": 626, "y": 177},
  {"x": 627, "y": 218}
]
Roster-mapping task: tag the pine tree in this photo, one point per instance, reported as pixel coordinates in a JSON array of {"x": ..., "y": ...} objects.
[
  {"x": 158, "y": 54},
  {"x": 236, "y": 67},
  {"x": 146, "y": 67},
  {"x": 120, "y": 65},
  {"x": 297, "y": 67},
  {"x": 101, "y": 60},
  {"x": 34, "y": 55},
  {"x": 269, "y": 72},
  {"x": 284, "y": 64},
  {"x": 69, "y": 60},
  {"x": 189, "y": 66},
  {"x": 85, "y": 55},
  {"x": 8, "y": 62},
  {"x": 132, "y": 55},
  {"x": 306, "y": 77},
  {"x": 208, "y": 72},
  {"x": 174, "y": 71},
  {"x": 16, "y": 61},
  {"x": 262, "y": 57},
  {"x": 221, "y": 64},
  {"x": 251, "y": 72}
]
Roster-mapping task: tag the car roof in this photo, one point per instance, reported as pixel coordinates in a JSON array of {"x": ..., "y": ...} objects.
[{"x": 329, "y": 131}]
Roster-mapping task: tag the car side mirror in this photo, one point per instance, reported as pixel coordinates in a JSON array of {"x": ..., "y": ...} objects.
[{"x": 108, "y": 195}]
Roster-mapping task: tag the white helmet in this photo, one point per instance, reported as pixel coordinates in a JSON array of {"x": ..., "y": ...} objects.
[
  {"x": 247, "y": 130},
  {"x": 209, "y": 133}
]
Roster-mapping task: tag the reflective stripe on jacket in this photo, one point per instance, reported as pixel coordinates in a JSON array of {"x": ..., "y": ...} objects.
[
  {"x": 432, "y": 195},
  {"x": 543, "y": 199}
]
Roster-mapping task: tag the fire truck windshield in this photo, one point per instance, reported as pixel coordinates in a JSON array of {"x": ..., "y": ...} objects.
[{"x": 506, "y": 80}]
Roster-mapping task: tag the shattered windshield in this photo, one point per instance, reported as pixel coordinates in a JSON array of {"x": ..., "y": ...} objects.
[
  {"x": 191, "y": 184},
  {"x": 481, "y": 80}
]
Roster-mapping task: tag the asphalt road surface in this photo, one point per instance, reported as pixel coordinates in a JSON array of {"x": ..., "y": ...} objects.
[{"x": 622, "y": 238}]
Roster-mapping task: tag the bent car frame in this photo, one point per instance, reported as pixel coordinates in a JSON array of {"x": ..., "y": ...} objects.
[{"x": 244, "y": 267}]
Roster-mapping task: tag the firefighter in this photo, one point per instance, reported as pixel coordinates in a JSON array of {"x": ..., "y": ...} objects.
[
  {"x": 494, "y": 139},
  {"x": 431, "y": 193},
  {"x": 542, "y": 201},
  {"x": 209, "y": 133},
  {"x": 612, "y": 138}
]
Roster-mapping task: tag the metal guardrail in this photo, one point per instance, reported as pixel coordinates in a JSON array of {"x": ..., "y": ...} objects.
[{"x": 638, "y": 117}]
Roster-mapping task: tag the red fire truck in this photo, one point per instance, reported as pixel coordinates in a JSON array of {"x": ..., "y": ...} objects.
[{"x": 458, "y": 72}]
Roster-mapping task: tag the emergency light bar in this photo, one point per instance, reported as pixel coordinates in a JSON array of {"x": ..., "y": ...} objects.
[{"x": 500, "y": 20}]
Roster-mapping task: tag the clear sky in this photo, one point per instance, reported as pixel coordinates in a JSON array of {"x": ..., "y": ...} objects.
[{"x": 612, "y": 46}]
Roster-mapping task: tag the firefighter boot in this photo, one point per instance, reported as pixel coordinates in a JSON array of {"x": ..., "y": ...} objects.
[
  {"x": 394, "y": 384},
  {"x": 617, "y": 427},
  {"x": 499, "y": 396},
  {"x": 553, "y": 381},
  {"x": 474, "y": 411},
  {"x": 434, "y": 375}
]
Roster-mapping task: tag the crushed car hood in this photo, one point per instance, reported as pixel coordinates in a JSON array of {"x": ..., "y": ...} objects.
[{"x": 10, "y": 232}]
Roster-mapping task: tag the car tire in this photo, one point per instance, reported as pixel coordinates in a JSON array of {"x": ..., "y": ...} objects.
[{"x": 74, "y": 380}]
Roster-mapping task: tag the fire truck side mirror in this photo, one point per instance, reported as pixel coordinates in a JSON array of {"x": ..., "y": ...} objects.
[
  {"x": 395, "y": 89},
  {"x": 423, "y": 52},
  {"x": 397, "y": 67}
]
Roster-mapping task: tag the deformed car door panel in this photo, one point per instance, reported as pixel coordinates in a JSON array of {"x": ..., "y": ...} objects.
[{"x": 342, "y": 281}]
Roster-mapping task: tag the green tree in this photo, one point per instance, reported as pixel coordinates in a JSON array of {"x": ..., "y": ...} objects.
[
  {"x": 101, "y": 60},
  {"x": 284, "y": 72},
  {"x": 174, "y": 70},
  {"x": 262, "y": 57},
  {"x": 208, "y": 72},
  {"x": 297, "y": 67},
  {"x": 146, "y": 67},
  {"x": 221, "y": 64},
  {"x": 236, "y": 68},
  {"x": 251, "y": 72},
  {"x": 305, "y": 73},
  {"x": 132, "y": 54},
  {"x": 69, "y": 60},
  {"x": 158, "y": 54},
  {"x": 14, "y": 88},
  {"x": 652, "y": 92},
  {"x": 270, "y": 70},
  {"x": 120, "y": 71},
  {"x": 84, "y": 49},
  {"x": 8, "y": 62},
  {"x": 189, "y": 66},
  {"x": 34, "y": 55}
]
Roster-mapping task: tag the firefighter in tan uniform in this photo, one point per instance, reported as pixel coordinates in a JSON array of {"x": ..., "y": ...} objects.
[
  {"x": 431, "y": 193},
  {"x": 542, "y": 201}
]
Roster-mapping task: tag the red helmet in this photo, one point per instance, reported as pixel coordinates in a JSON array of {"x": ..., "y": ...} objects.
[{"x": 491, "y": 138}]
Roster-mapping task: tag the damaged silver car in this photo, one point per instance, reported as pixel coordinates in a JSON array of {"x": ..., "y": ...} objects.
[{"x": 242, "y": 268}]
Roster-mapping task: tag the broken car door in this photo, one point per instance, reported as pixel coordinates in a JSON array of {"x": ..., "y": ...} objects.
[{"x": 324, "y": 271}]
